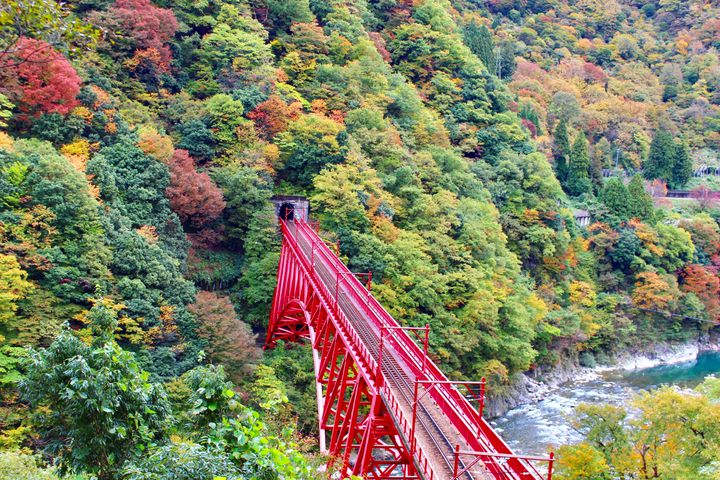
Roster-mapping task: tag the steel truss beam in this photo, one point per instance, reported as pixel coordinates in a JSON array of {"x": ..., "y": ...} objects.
[
  {"x": 359, "y": 432},
  {"x": 368, "y": 425}
]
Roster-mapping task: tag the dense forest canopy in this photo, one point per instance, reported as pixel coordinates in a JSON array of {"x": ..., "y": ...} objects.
[{"x": 446, "y": 146}]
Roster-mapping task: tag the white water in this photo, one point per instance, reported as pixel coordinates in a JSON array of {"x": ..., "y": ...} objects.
[{"x": 535, "y": 428}]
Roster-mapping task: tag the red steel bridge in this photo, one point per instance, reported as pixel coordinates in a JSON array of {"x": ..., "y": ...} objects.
[{"x": 385, "y": 409}]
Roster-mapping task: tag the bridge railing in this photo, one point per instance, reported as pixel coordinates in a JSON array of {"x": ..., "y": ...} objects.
[
  {"x": 344, "y": 326},
  {"x": 474, "y": 429}
]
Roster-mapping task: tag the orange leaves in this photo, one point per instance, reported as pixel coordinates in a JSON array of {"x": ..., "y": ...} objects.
[
  {"x": 648, "y": 236},
  {"x": 655, "y": 292},
  {"x": 149, "y": 233},
  {"x": 155, "y": 144},
  {"x": 706, "y": 285},
  {"x": 273, "y": 115}
]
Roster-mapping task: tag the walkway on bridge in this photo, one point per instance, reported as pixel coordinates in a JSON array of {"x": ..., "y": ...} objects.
[{"x": 385, "y": 407}]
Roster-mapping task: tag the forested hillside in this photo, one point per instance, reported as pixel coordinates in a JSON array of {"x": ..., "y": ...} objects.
[{"x": 446, "y": 146}]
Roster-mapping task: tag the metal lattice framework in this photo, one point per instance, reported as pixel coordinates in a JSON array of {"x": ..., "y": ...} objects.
[{"x": 385, "y": 409}]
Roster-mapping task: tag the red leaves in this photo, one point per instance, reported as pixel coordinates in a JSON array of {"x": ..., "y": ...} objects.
[
  {"x": 706, "y": 285},
  {"x": 150, "y": 26},
  {"x": 39, "y": 79},
  {"x": 193, "y": 196},
  {"x": 530, "y": 126},
  {"x": 273, "y": 115}
]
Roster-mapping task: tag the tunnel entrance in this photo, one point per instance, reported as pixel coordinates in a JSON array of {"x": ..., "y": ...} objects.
[
  {"x": 291, "y": 207},
  {"x": 287, "y": 211}
]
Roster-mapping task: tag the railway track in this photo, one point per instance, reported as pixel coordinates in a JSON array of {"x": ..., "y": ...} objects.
[{"x": 397, "y": 378}]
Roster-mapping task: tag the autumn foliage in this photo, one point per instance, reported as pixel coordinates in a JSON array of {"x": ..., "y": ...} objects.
[
  {"x": 193, "y": 196},
  {"x": 273, "y": 115},
  {"x": 39, "y": 79},
  {"x": 230, "y": 341},
  {"x": 151, "y": 27},
  {"x": 706, "y": 285}
]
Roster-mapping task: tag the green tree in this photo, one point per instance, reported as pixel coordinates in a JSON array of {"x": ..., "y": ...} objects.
[
  {"x": 237, "y": 42},
  {"x": 661, "y": 157},
  {"x": 95, "y": 406},
  {"x": 285, "y": 12},
  {"x": 197, "y": 139},
  {"x": 45, "y": 20},
  {"x": 309, "y": 143},
  {"x": 505, "y": 63},
  {"x": 182, "y": 461},
  {"x": 578, "y": 172},
  {"x": 479, "y": 39},
  {"x": 640, "y": 203},
  {"x": 20, "y": 466},
  {"x": 668, "y": 421},
  {"x": 247, "y": 193},
  {"x": 682, "y": 167},
  {"x": 615, "y": 196},
  {"x": 561, "y": 151},
  {"x": 225, "y": 118}
]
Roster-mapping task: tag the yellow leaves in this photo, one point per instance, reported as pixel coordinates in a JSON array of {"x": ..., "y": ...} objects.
[
  {"x": 84, "y": 113},
  {"x": 155, "y": 144},
  {"x": 495, "y": 372},
  {"x": 13, "y": 439},
  {"x": 78, "y": 153},
  {"x": 149, "y": 233},
  {"x": 648, "y": 236},
  {"x": 166, "y": 328},
  {"x": 101, "y": 96},
  {"x": 13, "y": 286},
  {"x": 130, "y": 329},
  {"x": 585, "y": 44},
  {"x": 537, "y": 305},
  {"x": 580, "y": 462},
  {"x": 271, "y": 153},
  {"x": 384, "y": 229},
  {"x": 582, "y": 294},
  {"x": 6, "y": 142}
]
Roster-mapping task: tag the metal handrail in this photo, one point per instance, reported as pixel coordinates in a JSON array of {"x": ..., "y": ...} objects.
[{"x": 473, "y": 428}]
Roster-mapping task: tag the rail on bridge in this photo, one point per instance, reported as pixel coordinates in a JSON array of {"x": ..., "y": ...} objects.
[{"x": 385, "y": 409}]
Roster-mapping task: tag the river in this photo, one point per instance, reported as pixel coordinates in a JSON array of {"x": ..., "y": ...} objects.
[{"x": 530, "y": 429}]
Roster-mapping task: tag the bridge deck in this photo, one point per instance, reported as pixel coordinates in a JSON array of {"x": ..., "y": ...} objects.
[{"x": 436, "y": 436}]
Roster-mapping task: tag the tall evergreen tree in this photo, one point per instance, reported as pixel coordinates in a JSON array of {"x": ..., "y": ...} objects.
[
  {"x": 578, "y": 173},
  {"x": 682, "y": 168},
  {"x": 505, "y": 63},
  {"x": 561, "y": 150},
  {"x": 661, "y": 158},
  {"x": 479, "y": 39},
  {"x": 640, "y": 203},
  {"x": 596, "y": 173},
  {"x": 616, "y": 198}
]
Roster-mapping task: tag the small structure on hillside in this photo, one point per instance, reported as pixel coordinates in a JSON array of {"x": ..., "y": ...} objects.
[
  {"x": 290, "y": 207},
  {"x": 582, "y": 217}
]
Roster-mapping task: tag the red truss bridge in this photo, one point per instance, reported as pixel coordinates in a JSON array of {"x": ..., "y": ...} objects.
[{"x": 385, "y": 409}]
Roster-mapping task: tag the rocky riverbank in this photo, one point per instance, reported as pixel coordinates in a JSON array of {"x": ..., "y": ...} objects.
[{"x": 533, "y": 387}]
